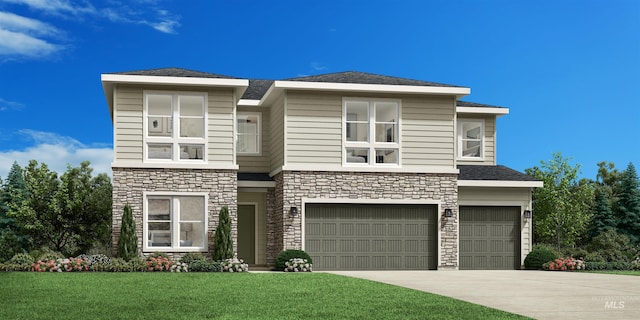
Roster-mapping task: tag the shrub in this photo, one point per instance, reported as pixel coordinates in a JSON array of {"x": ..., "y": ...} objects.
[
  {"x": 179, "y": 267},
  {"x": 190, "y": 257},
  {"x": 94, "y": 260},
  {"x": 120, "y": 265},
  {"x": 612, "y": 246},
  {"x": 594, "y": 257},
  {"x": 222, "y": 242},
  {"x": 74, "y": 264},
  {"x": 128, "y": 240},
  {"x": 45, "y": 253},
  {"x": 618, "y": 265},
  {"x": 298, "y": 265},
  {"x": 204, "y": 266},
  {"x": 159, "y": 263},
  {"x": 22, "y": 258},
  {"x": 287, "y": 255},
  {"x": 15, "y": 267},
  {"x": 565, "y": 264},
  {"x": 47, "y": 265},
  {"x": 233, "y": 265},
  {"x": 539, "y": 256}
]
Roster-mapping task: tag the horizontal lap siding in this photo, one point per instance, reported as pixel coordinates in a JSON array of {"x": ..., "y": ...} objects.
[
  {"x": 314, "y": 128},
  {"x": 489, "y": 140},
  {"x": 129, "y": 106},
  {"x": 128, "y": 124},
  {"x": 276, "y": 136},
  {"x": 427, "y": 132},
  {"x": 220, "y": 126},
  {"x": 258, "y": 163}
]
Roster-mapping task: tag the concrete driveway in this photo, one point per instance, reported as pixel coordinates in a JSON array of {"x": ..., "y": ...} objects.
[{"x": 537, "y": 294}]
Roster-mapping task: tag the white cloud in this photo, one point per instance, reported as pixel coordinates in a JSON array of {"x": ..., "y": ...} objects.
[
  {"x": 57, "y": 151},
  {"x": 22, "y": 36},
  {"x": 57, "y": 6},
  {"x": 162, "y": 21},
  {"x": 317, "y": 66},
  {"x": 10, "y": 105}
]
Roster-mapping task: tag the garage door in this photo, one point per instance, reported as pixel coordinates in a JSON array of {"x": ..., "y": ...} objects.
[
  {"x": 371, "y": 237},
  {"x": 489, "y": 238}
]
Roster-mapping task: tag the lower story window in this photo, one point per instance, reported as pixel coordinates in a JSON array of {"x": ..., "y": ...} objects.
[{"x": 176, "y": 222}]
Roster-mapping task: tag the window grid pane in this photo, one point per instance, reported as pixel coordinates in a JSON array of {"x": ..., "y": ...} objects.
[
  {"x": 248, "y": 134},
  {"x": 188, "y": 219}
]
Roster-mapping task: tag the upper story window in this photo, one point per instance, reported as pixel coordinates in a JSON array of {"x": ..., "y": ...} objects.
[
  {"x": 470, "y": 139},
  {"x": 371, "y": 130},
  {"x": 175, "y": 221},
  {"x": 248, "y": 136},
  {"x": 175, "y": 127}
]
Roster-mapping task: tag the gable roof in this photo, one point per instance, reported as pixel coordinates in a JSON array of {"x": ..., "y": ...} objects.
[
  {"x": 461, "y": 103},
  {"x": 257, "y": 89},
  {"x": 367, "y": 78},
  {"x": 174, "y": 72}
]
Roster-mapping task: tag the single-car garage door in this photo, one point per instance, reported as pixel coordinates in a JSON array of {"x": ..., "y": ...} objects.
[
  {"x": 371, "y": 237},
  {"x": 489, "y": 238}
]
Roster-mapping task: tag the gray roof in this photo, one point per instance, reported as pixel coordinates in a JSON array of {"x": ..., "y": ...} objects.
[
  {"x": 174, "y": 72},
  {"x": 498, "y": 172},
  {"x": 367, "y": 78},
  {"x": 257, "y": 89},
  {"x": 474, "y": 104}
]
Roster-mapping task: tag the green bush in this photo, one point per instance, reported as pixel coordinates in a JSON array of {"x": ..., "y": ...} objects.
[
  {"x": 128, "y": 240},
  {"x": 204, "y": 266},
  {"x": 538, "y": 256},
  {"x": 94, "y": 260},
  {"x": 618, "y": 265},
  {"x": 45, "y": 253},
  {"x": 190, "y": 257},
  {"x": 22, "y": 258},
  {"x": 14, "y": 267},
  {"x": 612, "y": 246},
  {"x": 594, "y": 257},
  {"x": 287, "y": 255},
  {"x": 222, "y": 242}
]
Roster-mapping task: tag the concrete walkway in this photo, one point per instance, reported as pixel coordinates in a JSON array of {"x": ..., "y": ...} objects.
[{"x": 537, "y": 294}]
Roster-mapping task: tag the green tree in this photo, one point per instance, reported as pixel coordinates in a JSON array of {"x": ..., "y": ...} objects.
[
  {"x": 602, "y": 219},
  {"x": 608, "y": 180},
  {"x": 128, "y": 240},
  {"x": 562, "y": 208},
  {"x": 12, "y": 240},
  {"x": 223, "y": 244},
  {"x": 628, "y": 204},
  {"x": 63, "y": 214}
]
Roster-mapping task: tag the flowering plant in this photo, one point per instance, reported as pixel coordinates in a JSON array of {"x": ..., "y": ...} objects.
[
  {"x": 179, "y": 267},
  {"x": 74, "y": 264},
  {"x": 298, "y": 265},
  {"x": 158, "y": 264},
  {"x": 47, "y": 265},
  {"x": 234, "y": 265},
  {"x": 564, "y": 264}
]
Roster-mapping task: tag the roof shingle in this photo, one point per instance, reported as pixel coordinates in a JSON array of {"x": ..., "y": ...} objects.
[
  {"x": 174, "y": 72},
  {"x": 499, "y": 172},
  {"x": 367, "y": 78},
  {"x": 257, "y": 89}
]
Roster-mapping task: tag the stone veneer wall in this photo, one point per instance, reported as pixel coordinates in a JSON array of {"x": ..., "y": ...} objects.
[
  {"x": 292, "y": 186},
  {"x": 130, "y": 183},
  {"x": 274, "y": 228}
]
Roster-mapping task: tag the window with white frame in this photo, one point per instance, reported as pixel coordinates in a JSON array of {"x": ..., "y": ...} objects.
[
  {"x": 470, "y": 139},
  {"x": 175, "y": 127},
  {"x": 175, "y": 222},
  {"x": 371, "y": 132},
  {"x": 248, "y": 133}
]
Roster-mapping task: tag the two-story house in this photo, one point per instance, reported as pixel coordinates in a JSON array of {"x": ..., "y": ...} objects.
[{"x": 362, "y": 171}]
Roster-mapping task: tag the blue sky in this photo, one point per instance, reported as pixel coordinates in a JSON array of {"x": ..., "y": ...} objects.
[{"x": 568, "y": 70}]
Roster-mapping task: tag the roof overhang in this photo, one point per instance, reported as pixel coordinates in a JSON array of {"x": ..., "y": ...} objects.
[
  {"x": 109, "y": 81},
  {"x": 279, "y": 86},
  {"x": 480, "y": 110},
  {"x": 500, "y": 183}
]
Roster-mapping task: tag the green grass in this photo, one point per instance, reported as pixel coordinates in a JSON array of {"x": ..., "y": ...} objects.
[
  {"x": 623, "y": 272},
  {"x": 25, "y": 295}
]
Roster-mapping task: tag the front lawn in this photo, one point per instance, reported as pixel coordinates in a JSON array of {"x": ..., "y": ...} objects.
[{"x": 25, "y": 295}]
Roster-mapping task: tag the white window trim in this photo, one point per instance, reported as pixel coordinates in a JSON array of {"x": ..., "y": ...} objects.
[
  {"x": 460, "y": 123},
  {"x": 259, "y": 115},
  {"x": 175, "y": 140},
  {"x": 372, "y": 145},
  {"x": 175, "y": 235}
]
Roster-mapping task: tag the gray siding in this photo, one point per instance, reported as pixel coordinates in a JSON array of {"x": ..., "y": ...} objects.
[
  {"x": 489, "y": 139},
  {"x": 428, "y": 135},
  {"x": 276, "y": 137},
  {"x": 258, "y": 163},
  {"x": 128, "y": 122}
]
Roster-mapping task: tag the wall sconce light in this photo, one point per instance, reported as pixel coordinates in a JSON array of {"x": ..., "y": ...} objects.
[
  {"x": 293, "y": 211},
  {"x": 448, "y": 213},
  {"x": 527, "y": 214}
]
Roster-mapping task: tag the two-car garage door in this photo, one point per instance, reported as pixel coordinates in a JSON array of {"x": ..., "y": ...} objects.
[
  {"x": 371, "y": 237},
  {"x": 405, "y": 237}
]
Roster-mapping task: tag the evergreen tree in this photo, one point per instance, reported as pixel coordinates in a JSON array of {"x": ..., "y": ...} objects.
[
  {"x": 13, "y": 191},
  {"x": 128, "y": 241},
  {"x": 602, "y": 219},
  {"x": 223, "y": 244},
  {"x": 628, "y": 204}
]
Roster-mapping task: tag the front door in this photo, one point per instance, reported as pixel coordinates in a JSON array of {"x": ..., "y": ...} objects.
[{"x": 247, "y": 233}]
